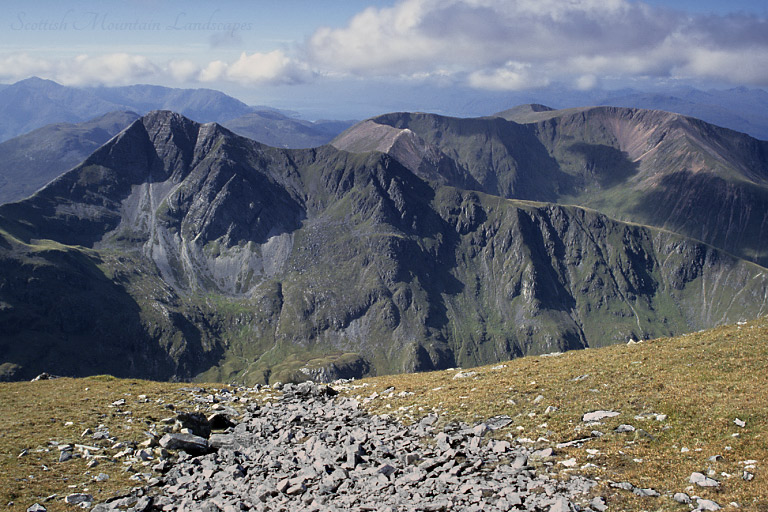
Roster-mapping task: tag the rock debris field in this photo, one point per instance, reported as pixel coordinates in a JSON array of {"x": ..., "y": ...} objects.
[
  {"x": 311, "y": 450},
  {"x": 304, "y": 447}
]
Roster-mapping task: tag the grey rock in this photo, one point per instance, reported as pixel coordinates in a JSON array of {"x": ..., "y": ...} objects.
[
  {"x": 624, "y": 428},
  {"x": 623, "y": 485},
  {"x": 703, "y": 481},
  {"x": 78, "y": 498},
  {"x": 598, "y": 415},
  {"x": 561, "y": 505},
  {"x": 36, "y": 508},
  {"x": 543, "y": 453},
  {"x": 598, "y": 503},
  {"x": 218, "y": 441},
  {"x": 318, "y": 452},
  {"x": 189, "y": 443},
  {"x": 196, "y": 422},
  {"x": 497, "y": 422},
  {"x": 707, "y": 505},
  {"x": 646, "y": 493},
  {"x": 681, "y": 497}
]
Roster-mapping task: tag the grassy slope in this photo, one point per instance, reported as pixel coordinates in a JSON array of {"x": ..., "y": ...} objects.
[{"x": 702, "y": 382}]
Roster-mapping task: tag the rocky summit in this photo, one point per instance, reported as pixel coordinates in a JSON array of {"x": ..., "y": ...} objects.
[
  {"x": 312, "y": 450},
  {"x": 181, "y": 251}
]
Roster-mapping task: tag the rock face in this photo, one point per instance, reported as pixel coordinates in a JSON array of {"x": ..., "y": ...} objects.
[
  {"x": 314, "y": 451},
  {"x": 180, "y": 250},
  {"x": 656, "y": 168}
]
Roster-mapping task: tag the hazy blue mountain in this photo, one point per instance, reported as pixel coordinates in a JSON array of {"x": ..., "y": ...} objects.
[
  {"x": 179, "y": 250},
  {"x": 741, "y": 109},
  {"x": 34, "y": 103},
  {"x": 202, "y": 105},
  {"x": 277, "y": 129},
  {"x": 29, "y": 161}
]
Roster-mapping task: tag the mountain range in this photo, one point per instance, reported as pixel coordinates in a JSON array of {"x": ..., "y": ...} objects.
[
  {"x": 34, "y": 103},
  {"x": 67, "y": 124},
  {"x": 180, "y": 250}
]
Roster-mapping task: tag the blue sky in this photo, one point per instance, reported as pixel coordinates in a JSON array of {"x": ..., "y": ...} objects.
[{"x": 314, "y": 50}]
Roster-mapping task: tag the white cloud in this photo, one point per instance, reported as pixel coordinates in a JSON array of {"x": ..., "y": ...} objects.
[
  {"x": 112, "y": 69},
  {"x": 258, "y": 68},
  {"x": 272, "y": 67},
  {"x": 586, "y": 82},
  {"x": 214, "y": 71},
  {"x": 183, "y": 70},
  {"x": 514, "y": 76},
  {"x": 486, "y": 44},
  {"x": 123, "y": 68},
  {"x": 576, "y": 41},
  {"x": 748, "y": 66}
]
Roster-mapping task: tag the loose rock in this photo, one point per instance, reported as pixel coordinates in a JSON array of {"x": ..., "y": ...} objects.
[
  {"x": 598, "y": 415},
  {"x": 703, "y": 481},
  {"x": 313, "y": 451},
  {"x": 189, "y": 443}
]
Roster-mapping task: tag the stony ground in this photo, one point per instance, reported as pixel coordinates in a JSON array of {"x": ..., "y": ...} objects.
[
  {"x": 306, "y": 448},
  {"x": 672, "y": 424}
]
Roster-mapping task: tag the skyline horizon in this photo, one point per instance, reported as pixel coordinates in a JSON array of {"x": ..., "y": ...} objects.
[{"x": 316, "y": 54}]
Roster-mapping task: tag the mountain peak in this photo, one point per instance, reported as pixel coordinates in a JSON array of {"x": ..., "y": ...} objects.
[
  {"x": 37, "y": 82},
  {"x": 528, "y": 108},
  {"x": 159, "y": 118},
  {"x": 166, "y": 128}
]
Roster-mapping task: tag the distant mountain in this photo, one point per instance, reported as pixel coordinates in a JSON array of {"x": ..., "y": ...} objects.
[
  {"x": 34, "y": 103},
  {"x": 49, "y": 128},
  {"x": 202, "y": 105},
  {"x": 652, "y": 167},
  {"x": 279, "y": 130},
  {"x": 741, "y": 109},
  {"x": 179, "y": 250},
  {"x": 29, "y": 161}
]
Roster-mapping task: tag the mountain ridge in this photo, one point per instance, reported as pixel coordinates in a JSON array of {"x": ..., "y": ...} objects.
[
  {"x": 628, "y": 163},
  {"x": 212, "y": 256}
]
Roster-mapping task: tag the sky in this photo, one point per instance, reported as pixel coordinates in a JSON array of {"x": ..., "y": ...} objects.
[{"x": 320, "y": 52}]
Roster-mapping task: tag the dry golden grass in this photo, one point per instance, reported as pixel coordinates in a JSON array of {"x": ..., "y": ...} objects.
[
  {"x": 34, "y": 413},
  {"x": 701, "y": 382}
]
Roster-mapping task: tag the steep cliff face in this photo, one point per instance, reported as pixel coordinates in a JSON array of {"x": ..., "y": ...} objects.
[
  {"x": 651, "y": 167},
  {"x": 182, "y": 251},
  {"x": 543, "y": 278}
]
